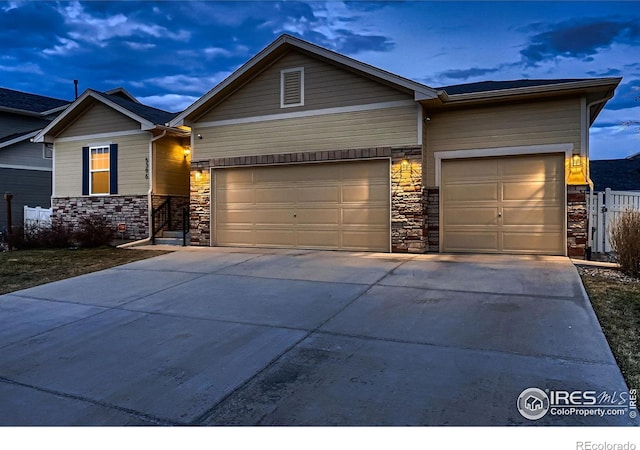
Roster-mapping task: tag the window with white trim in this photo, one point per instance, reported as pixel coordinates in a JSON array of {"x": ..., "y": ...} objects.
[
  {"x": 292, "y": 87},
  {"x": 99, "y": 170}
]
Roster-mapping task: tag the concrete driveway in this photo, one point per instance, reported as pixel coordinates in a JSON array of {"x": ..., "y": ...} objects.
[{"x": 230, "y": 336}]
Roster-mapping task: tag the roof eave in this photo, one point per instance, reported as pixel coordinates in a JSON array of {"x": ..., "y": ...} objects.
[
  {"x": 612, "y": 83},
  {"x": 24, "y": 137},
  {"x": 23, "y": 112}
]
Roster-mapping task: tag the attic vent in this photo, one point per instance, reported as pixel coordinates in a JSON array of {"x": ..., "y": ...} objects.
[{"x": 292, "y": 87}]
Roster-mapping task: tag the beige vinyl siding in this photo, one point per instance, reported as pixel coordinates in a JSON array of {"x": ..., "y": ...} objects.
[
  {"x": 325, "y": 86},
  {"x": 100, "y": 119},
  {"x": 362, "y": 129},
  {"x": 509, "y": 125},
  {"x": 132, "y": 151},
  {"x": 171, "y": 168}
]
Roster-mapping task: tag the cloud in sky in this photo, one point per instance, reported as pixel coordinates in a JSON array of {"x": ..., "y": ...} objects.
[{"x": 580, "y": 39}]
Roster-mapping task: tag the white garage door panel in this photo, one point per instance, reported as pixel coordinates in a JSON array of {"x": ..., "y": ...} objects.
[
  {"x": 504, "y": 204},
  {"x": 318, "y": 216},
  {"x": 342, "y": 206},
  {"x": 480, "y": 216},
  {"x": 530, "y": 242},
  {"x": 472, "y": 191},
  {"x": 471, "y": 241},
  {"x": 550, "y": 217},
  {"x": 274, "y": 195}
]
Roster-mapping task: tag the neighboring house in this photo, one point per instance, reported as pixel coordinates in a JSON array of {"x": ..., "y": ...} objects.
[
  {"x": 303, "y": 147},
  {"x": 616, "y": 174},
  {"x": 116, "y": 157},
  {"x": 25, "y": 167}
]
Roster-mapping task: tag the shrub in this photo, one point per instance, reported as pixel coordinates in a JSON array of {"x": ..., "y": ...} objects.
[
  {"x": 30, "y": 237},
  {"x": 58, "y": 236},
  {"x": 625, "y": 240},
  {"x": 94, "y": 231}
]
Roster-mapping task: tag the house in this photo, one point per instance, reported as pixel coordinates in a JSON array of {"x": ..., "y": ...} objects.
[
  {"x": 25, "y": 167},
  {"x": 116, "y": 157},
  {"x": 303, "y": 147},
  {"x": 616, "y": 174},
  {"x": 533, "y": 403}
]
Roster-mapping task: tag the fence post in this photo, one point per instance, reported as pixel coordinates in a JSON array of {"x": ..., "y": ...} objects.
[{"x": 608, "y": 216}]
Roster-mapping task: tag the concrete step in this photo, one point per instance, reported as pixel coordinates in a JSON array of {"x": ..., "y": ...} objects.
[
  {"x": 172, "y": 234},
  {"x": 171, "y": 238},
  {"x": 169, "y": 241}
]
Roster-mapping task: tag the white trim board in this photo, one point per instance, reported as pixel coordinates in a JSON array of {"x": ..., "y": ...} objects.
[
  {"x": 113, "y": 134},
  {"x": 24, "y": 137},
  {"x": 567, "y": 149},
  {"x": 299, "y": 114}
]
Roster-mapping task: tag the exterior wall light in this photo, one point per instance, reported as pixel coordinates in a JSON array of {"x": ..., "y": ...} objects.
[
  {"x": 187, "y": 151},
  {"x": 576, "y": 161}
]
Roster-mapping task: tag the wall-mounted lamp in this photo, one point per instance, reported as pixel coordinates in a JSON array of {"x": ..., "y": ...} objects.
[
  {"x": 576, "y": 161},
  {"x": 577, "y": 171},
  {"x": 405, "y": 165},
  {"x": 199, "y": 136},
  {"x": 186, "y": 150}
]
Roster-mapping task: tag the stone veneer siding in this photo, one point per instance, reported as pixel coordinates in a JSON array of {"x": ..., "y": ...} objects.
[
  {"x": 407, "y": 218},
  {"x": 129, "y": 209},
  {"x": 200, "y": 207},
  {"x": 432, "y": 219},
  {"x": 577, "y": 218}
]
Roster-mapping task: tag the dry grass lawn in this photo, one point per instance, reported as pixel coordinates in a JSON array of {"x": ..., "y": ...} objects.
[
  {"x": 617, "y": 305},
  {"x": 27, "y": 268}
]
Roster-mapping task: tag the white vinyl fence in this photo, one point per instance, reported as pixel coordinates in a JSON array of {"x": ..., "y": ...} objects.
[
  {"x": 604, "y": 208},
  {"x": 37, "y": 217}
]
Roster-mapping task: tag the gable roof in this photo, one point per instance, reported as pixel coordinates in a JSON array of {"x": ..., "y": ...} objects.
[
  {"x": 148, "y": 117},
  {"x": 153, "y": 115},
  {"x": 274, "y": 51},
  {"x": 616, "y": 174},
  {"x": 596, "y": 89},
  {"x": 32, "y": 104}
]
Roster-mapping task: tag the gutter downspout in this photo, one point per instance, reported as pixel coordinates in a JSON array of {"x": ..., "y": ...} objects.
[
  {"x": 585, "y": 146},
  {"x": 151, "y": 179},
  {"x": 149, "y": 195}
]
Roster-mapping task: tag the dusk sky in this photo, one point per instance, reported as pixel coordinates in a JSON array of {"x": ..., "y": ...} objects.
[{"x": 169, "y": 53}]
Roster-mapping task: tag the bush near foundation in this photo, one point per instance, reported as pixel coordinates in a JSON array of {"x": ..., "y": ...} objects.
[
  {"x": 625, "y": 240},
  {"x": 94, "y": 231},
  {"x": 31, "y": 237}
]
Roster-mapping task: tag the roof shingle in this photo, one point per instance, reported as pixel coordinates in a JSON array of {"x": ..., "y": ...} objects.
[
  {"x": 29, "y": 102},
  {"x": 487, "y": 86},
  {"x": 616, "y": 174}
]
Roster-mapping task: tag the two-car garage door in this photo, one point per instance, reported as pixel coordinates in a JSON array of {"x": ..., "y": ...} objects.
[
  {"x": 488, "y": 205},
  {"x": 340, "y": 206},
  {"x": 504, "y": 205}
]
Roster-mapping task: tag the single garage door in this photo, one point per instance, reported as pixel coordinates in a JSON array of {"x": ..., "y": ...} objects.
[
  {"x": 504, "y": 205},
  {"x": 338, "y": 206}
]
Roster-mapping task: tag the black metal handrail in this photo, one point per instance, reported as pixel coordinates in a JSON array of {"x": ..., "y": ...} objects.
[
  {"x": 160, "y": 218},
  {"x": 185, "y": 225}
]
